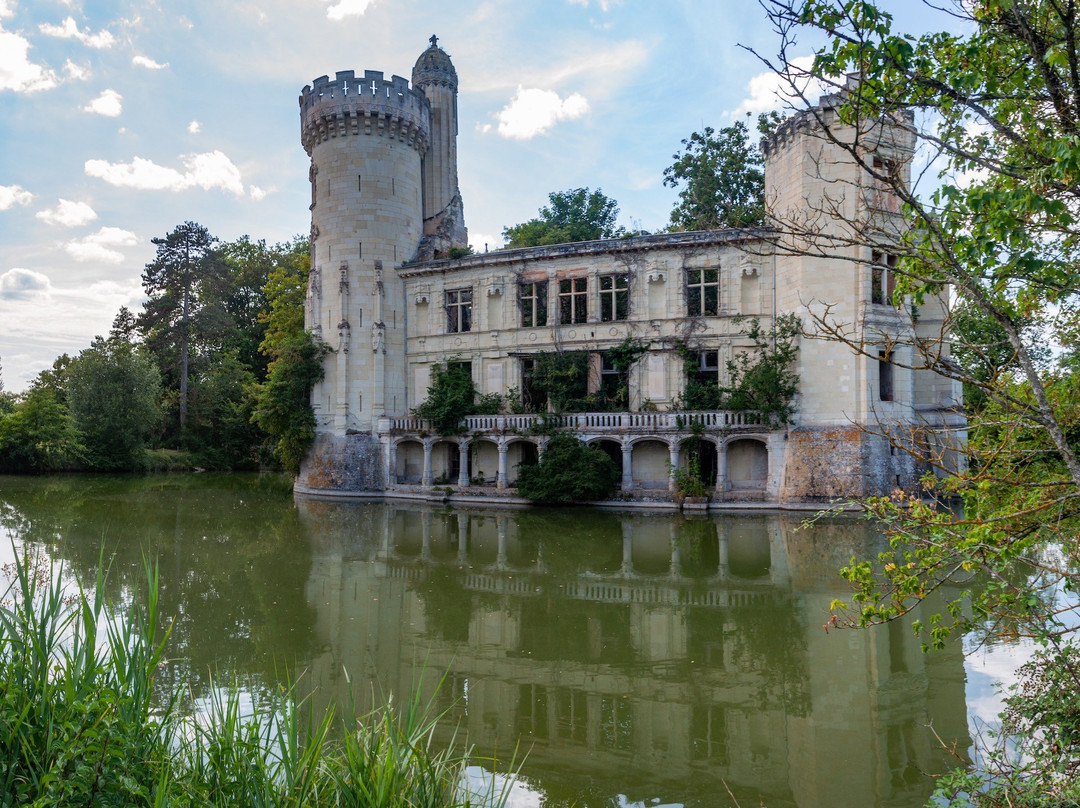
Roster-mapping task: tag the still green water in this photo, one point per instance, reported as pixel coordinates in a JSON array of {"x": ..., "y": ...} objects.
[{"x": 637, "y": 659}]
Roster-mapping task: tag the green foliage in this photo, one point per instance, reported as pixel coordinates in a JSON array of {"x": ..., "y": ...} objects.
[
  {"x": 759, "y": 380},
  {"x": 80, "y": 724},
  {"x": 283, "y": 409},
  {"x": 573, "y": 215},
  {"x": 569, "y": 471},
  {"x": 1000, "y": 231},
  {"x": 560, "y": 379},
  {"x": 452, "y": 396},
  {"x": 763, "y": 380},
  {"x": 982, "y": 349},
  {"x": 720, "y": 180},
  {"x": 113, "y": 392},
  {"x": 38, "y": 435},
  {"x": 184, "y": 314},
  {"x": 223, "y": 432}
]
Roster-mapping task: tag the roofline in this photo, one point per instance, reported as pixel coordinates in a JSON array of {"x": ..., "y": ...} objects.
[{"x": 551, "y": 252}]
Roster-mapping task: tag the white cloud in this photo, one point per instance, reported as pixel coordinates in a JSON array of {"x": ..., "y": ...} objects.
[
  {"x": 194, "y": 127},
  {"x": 532, "y": 112},
  {"x": 102, "y": 246},
  {"x": 12, "y": 195},
  {"x": 76, "y": 72},
  {"x": 23, "y": 284},
  {"x": 107, "y": 104},
  {"x": 68, "y": 29},
  {"x": 7, "y": 8},
  {"x": 605, "y": 5},
  {"x": 769, "y": 91},
  {"x": 348, "y": 8},
  {"x": 148, "y": 63},
  {"x": 257, "y": 193},
  {"x": 17, "y": 72},
  {"x": 68, "y": 214},
  {"x": 207, "y": 171}
]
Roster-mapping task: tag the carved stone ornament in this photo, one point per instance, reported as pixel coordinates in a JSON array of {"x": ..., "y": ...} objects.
[
  {"x": 343, "y": 336},
  {"x": 378, "y": 337}
]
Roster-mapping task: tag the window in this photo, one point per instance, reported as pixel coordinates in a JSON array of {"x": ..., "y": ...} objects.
[
  {"x": 573, "y": 300},
  {"x": 614, "y": 297},
  {"x": 533, "y": 301},
  {"x": 883, "y": 191},
  {"x": 882, "y": 277},
  {"x": 611, "y": 381},
  {"x": 708, "y": 367},
  {"x": 458, "y": 310},
  {"x": 533, "y": 398},
  {"x": 702, "y": 292},
  {"x": 885, "y": 376}
]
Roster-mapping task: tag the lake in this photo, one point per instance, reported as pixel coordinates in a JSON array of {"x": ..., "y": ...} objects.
[{"x": 634, "y": 659}]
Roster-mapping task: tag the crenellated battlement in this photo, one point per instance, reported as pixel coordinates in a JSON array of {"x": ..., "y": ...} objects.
[
  {"x": 371, "y": 105},
  {"x": 810, "y": 121}
]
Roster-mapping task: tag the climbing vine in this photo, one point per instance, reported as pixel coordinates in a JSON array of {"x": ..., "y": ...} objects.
[{"x": 453, "y": 395}]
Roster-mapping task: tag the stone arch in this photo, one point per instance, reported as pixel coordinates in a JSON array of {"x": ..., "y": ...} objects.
[
  {"x": 747, "y": 464},
  {"x": 520, "y": 452},
  {"x": 650, "y": 456},
  {"x": 408, "y": 461},
  {"x": 484, "y": 458},
  {"x": 612, "y": 447},
  {"x": 445, "y": 461}
]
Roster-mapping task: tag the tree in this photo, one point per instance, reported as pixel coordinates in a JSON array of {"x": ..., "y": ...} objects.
[
  {"x": 283, "y": 402},
  {"x": 574, "y": 215},
  {"x": 720, "y": 180},
  {"x": 185, "y": 283},
  {"x": 113, "y": 392},
  {"x": 569, "y": 471},
  {"x": 1000, "y": 107},
  {"x": 38, "y": 435},
  {"x": 453, "y": 395}
]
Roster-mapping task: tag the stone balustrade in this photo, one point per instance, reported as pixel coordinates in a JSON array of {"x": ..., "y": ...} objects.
[{"x": 668, "y": 421}]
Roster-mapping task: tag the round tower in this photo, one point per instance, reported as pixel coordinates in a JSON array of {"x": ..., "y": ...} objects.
[
  {"x": 366, "y": 137},
  {"x": 444, "y": 222}
]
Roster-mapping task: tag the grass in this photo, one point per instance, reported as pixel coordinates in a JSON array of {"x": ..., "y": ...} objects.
[{"x": 80, "y": 723}]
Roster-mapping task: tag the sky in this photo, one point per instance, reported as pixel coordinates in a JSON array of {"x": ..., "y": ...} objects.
[{"x": 120, "y": 120}]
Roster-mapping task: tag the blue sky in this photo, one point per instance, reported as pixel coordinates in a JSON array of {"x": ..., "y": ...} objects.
[{"x": 120, "y": 120}]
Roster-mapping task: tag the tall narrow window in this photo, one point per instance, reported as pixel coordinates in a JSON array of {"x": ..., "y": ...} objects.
[
  {"x": 614, "y": 297},
  {"x": 708, "y": 368},
  {"x": 702, "y": 292},
  {"x": 882, "y": 277},
  {"x": 573, "y": 306},
  {"x": 885, "y": 376},
  {"x": 611, "y": 381},
  {"x": 458, "y": 310},
  {"x": 533, "y": 300}
]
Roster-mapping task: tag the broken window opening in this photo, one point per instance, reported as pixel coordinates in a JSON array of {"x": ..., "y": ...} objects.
[{"x": 614, "y": 297}]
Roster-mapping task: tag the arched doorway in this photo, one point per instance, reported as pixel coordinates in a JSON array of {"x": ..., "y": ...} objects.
[{"x": 747, "y": 464}]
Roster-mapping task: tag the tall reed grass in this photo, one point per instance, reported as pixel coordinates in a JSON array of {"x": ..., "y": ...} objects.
[{"x": 80, "y": 723}]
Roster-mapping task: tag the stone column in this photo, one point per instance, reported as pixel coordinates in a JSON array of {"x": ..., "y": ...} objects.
[
  {"x": 673, "y": 448},
  {"x": 427, "y": 479},
  {"x": 463, "y": 462},
  {"x": 721, "y": 465},
  {"x": 425, "y": 535},
  {"x": 502, "y": 481},
  {"x": 627, "y": 466},
  {"x": 500, "y": 526},
  {"x": 675, "y": 567},
  {"x": 463, "y": 538}
]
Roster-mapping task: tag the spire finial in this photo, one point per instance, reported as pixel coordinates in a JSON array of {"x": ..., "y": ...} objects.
[{"x": 434, "y": 40}]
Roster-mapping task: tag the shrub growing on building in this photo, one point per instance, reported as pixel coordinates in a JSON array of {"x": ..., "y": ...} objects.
[{"x": 569, "y": 471}]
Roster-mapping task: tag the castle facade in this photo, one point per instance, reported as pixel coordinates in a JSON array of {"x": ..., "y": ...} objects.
[{"x": 394, "y": 294}]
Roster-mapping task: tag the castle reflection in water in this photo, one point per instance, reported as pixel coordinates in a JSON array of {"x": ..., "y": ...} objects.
[{"x": 646, "y": 656}]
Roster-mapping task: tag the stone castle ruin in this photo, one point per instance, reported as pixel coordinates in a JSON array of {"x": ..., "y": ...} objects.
[{"x": 393, "y": 293}]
